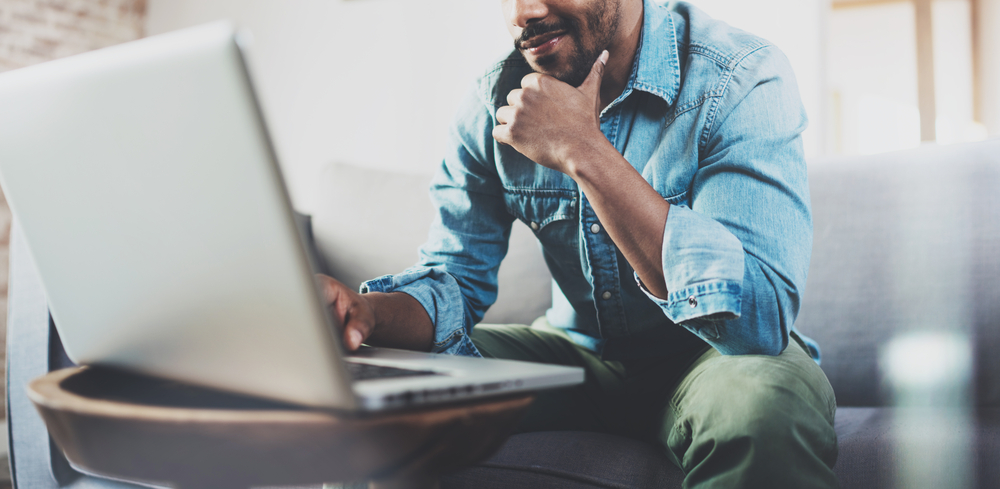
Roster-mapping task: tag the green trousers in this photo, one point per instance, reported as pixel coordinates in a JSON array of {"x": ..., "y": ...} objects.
[{"x": 749, "y": 421}]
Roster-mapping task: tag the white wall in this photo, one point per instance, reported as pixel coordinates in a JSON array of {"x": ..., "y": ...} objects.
[
  {"x": 376, "y": 82},
  {"x": 370, "y": 82}
]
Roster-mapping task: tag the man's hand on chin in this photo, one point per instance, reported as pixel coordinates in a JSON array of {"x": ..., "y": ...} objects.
[
  {"x": 552, "y": 122},
  {"x": 558, "y": 126}
]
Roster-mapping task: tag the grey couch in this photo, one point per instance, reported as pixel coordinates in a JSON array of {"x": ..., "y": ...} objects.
[{"x": 903, "y": 241}]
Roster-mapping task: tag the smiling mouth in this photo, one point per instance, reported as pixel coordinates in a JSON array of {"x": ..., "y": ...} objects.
[{"x": 540, "y": 40}]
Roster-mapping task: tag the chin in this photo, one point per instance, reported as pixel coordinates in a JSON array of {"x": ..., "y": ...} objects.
[{"x": 549, "y": 65}]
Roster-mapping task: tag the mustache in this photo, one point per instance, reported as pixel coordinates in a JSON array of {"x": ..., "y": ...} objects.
[{"x": 536, "y": 29}]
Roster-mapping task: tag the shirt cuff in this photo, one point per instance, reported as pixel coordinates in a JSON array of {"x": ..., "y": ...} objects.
[
  {"x": 702, "y": 269},
  {"x": 439, "y": 294}
]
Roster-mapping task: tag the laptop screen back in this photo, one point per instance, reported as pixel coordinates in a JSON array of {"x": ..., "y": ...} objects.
[{"x": 147, "y": 190}]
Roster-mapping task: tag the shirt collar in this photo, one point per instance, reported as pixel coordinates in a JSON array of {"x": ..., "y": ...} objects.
[{"x": 657, "y": 67}]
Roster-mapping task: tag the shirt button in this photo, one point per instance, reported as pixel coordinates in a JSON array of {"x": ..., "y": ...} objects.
[
  {"x": 596, "y": 228},
  {"x": 606, "y": 295},
  {"x": 534, "y": 225},
  {"x": 692, "y": 301}
]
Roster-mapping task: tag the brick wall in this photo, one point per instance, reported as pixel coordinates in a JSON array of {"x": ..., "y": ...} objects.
[{"x": 33, "y": 31}]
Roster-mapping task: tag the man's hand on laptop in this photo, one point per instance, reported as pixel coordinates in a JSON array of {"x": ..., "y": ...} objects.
[{"x": 394, "y": 320}]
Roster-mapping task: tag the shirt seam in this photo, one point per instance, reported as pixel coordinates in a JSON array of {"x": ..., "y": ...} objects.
[
  {"x": 675, "y": 197},
  {"x": 689, "y": 106},
  {"x": 528, "y": 191},
  {"x": 712, "y": 287},
  {"x": 714, "y": 109},
  {"x": 728, "y": 62},
  {"x": 545, "y": 222},
  {"x": 450, "y": 339}
]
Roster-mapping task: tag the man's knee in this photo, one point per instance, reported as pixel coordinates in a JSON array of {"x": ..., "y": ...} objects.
[
  {"x": 759, "y": 384},
  {"x": 752, "y": 399},
  {"x": 748, "y": 419}
]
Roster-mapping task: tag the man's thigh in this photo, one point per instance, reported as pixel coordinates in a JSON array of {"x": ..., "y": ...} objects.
[
  {"x": 586, "y": 407},
  {"x": 727, "y": 421},
  {"x": 623, "y": 398}
]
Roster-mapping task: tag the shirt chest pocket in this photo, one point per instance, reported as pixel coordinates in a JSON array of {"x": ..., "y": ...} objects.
[{"x": 550, "y": 214}]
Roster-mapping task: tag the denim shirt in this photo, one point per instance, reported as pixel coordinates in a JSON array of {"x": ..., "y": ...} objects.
[{"x": 711, "y": 117}]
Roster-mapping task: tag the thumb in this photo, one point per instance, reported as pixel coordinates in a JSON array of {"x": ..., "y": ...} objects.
[
  {"x": 592, "y": 85},
  {"x": 354, "y": 337}
]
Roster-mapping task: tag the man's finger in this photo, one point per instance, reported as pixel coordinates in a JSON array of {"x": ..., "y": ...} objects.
[
  {"x": 592, "y": 85},
  {"x": 514, "y": 97},
  {"x": 328, "y": 285},
  {"x": 359, "y": 322},
  {"x": 353, "y": 334},
  {"x": 532, "y": 80},
  {"x": 505, "y": 114},
  {"x": 502, "y": 134}
]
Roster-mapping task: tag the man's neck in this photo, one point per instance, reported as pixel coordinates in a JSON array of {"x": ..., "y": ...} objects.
[{"x": 622, "y": 55}]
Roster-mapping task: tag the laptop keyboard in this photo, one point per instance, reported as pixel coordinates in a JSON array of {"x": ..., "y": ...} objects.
[{"x": 366, "y": 371}]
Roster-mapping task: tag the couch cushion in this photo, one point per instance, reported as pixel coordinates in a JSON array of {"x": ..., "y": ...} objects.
[
  {"x": 904, "y": 241},
  {"x": 369, "y": 223},
  {"x": 868, "y": 453},
  {"x": 570, "y": 459},
  {"x": 573, "y": 459},
  {"x": 865, "y": 448}
]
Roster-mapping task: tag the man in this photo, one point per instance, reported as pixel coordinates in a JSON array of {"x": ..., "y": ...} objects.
[{"x": 656, "y": 155}]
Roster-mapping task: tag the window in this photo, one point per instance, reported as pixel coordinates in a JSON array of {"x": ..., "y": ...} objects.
[{"x": 900, "y": 72}]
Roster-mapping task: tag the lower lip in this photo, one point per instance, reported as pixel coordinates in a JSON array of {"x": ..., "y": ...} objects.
[{"x": 545, "y": 48}]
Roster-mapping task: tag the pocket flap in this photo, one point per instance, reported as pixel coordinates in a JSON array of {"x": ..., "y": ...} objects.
[{"x": 539, "y": 207}]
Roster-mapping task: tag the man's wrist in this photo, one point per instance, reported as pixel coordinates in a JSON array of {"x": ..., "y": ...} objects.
[
  {"x": 372, "y": 301},
  {"x": 584, "y": 163},
  {"x": 399, "y": 321}
]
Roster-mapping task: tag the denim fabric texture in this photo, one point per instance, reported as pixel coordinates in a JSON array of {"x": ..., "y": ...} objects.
[{"x": 711, "y": 117}]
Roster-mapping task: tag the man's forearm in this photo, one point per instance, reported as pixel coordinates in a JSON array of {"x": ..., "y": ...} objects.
[
  {"x": 400, "y": 322},
  {"x": 630, "y": 210}
]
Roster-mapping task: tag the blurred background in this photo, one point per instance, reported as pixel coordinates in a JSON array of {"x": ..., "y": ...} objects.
[{"x": 376, "y": 82}]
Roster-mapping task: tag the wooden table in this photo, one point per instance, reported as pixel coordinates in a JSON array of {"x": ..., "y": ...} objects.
[{"x": 135, "y": 427}]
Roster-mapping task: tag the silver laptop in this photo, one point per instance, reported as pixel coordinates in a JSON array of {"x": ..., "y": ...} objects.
[{"x": 147, "y": 190}]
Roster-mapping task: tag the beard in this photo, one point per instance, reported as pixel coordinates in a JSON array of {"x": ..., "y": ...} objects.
[{"x": 590, "y": 39}]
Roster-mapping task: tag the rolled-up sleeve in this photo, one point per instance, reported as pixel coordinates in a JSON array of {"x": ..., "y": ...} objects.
[
  {"x": 440, "y": 295},
  {"x": 735, "y": 261},
  {"x": 703, "y": 268},
  {"x": 455, "y": 279}
]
